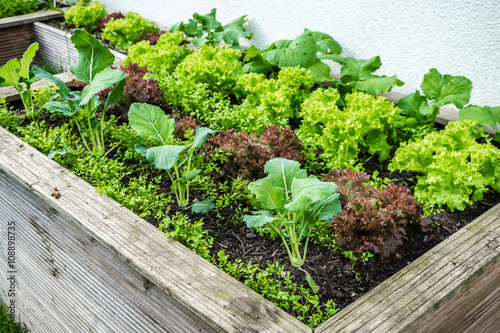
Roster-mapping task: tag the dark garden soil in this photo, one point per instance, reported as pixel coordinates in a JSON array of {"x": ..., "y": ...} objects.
[{"x": 338, "y": 279}]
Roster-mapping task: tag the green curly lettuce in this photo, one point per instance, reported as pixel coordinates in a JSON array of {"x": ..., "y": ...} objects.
[
  {"x": 456, "y": 169},
  {"x": 163, "y": 57},
  {"x": 273, "y": 100},
  {"x": 218, "y": 67},
  {"x": 86, "y": 17},
  {"x": 10, "y": 8},
  {"x": 196, "y": 99},
  {"x": 123, "y": 33},
  {"x": 366, "y": 124}
]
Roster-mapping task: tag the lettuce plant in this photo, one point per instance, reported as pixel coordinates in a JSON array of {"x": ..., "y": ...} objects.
[
  {"x": 150, "y": 122},
  {"x": 455, "y": 168},
  {"x": 141, "y": 89},
  {"x": 372, "y": 219},
  {"x": 440, "y": 90},
  {"x": 85, "y": 16},
  {"x": 18, "y": 74},
  {"x": 93, "y": 66},
  {"x": 274, "y": 100},
  {"x": 248, "y": 153},
  {"x": 366, "y": 124},
  {"x": 123, "y": 33},
  {"x": 205, "y": 29},
  {"x": 292, "y": 204},
  {"x": 104, "y": 20},
  {"x": 161, "y": 58}
]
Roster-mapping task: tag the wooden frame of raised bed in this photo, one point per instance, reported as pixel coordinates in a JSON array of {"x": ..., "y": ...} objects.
[{"x": 83, "y": 263}]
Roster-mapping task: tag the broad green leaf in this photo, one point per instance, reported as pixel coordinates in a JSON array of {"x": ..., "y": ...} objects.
[
  {"x": 202, "y": 207},
  {"x": 150, "y": 121},
  {"x": 354, "y": 70},
  {"x": 269, "y": 195},
  {"x": 115, "y": 94},
  {"x": 308, "y": 191},
  {"x": 26, "y": 61},
  {"x": 415, "y": 105},
  {"x": 334, "y": 57},
  {"x": 9, "y": 72},
  {"x": 326, "y": 209},
  {"x": 60, "y": 107},
  {"x": 140, "y": 150},
  {"x": 258, "y": 220},
  {"x": 446, "y": 89},
  {"x": 299, "y": 52},
  {"x": 377, "y": 85},
  {"x": 326, "y": 44},
  {"x": 208, "y": 22},
  {"x": 456, "y": 90},
  {"x": 164, "y": 157},
  {"x": 42, "y": 74},
  {"x": 93, "y": 57},
  {"x": 281, "y": 172},
  {"x": 484, "y": 115},
  {"x": 190, "y": 175},
  {"x": 233, "y": 32},
  {"x": 432, "y": 84},
  {"x": 320, "y": 71},
  {"x": 201, "y": 136},
  {"x": 251, "y": 52},
  {"x": 258, "y": 65},
  {"x": 175, "y": 27},
  {"x": 103, "y": 80},
  {"x": 199, "y": 42}
]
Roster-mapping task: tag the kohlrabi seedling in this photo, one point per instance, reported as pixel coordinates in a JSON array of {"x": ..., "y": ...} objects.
[
  {"x": 83, "y": 107},
  {"x": 292, "y": 204},
  {"x": 151, "y": 122},
  {"x": 18, "y": 74}
]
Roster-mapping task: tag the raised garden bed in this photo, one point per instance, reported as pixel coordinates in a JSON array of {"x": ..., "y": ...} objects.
[{"x": 108, "y": 268}]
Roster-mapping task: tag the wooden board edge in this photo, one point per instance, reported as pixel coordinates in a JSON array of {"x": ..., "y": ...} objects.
[{"x": 29, "y": 18}]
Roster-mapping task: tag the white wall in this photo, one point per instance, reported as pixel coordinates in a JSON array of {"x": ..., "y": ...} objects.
[{"x": 411, "y": 36}]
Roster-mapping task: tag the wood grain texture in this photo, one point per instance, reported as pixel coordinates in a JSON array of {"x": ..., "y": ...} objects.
[
  {"x": 88, "y": 264},
  {"x": 400, "y": 303},
  {"x": 29, "y": 18},
  {"x": 476, "y": 309},
  {"x": 14, "y": 42}
]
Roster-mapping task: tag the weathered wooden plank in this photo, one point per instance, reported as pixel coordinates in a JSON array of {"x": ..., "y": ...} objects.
[
  {"x": 211, "y": 296},
  {"x": 29, "y": 18},
  {"x": 403, "y": 301},
  {"x": 14, "y": 41},
  {"x": 474, "y": 309}
]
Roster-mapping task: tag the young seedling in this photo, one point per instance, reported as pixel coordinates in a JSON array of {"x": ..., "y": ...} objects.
[
  {"x": 18, "y": 74},
  {"x": 93, "y": 66},
  {"x": 292, "y": 204},
  {"x": 151, "y": 122}
]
